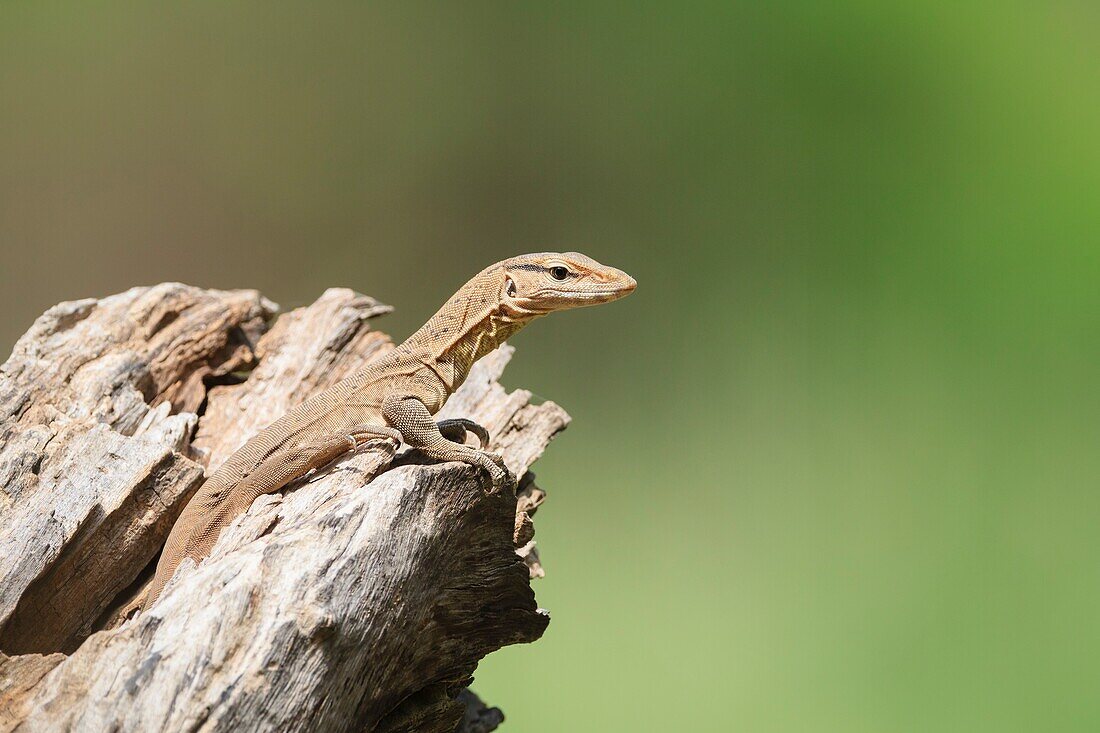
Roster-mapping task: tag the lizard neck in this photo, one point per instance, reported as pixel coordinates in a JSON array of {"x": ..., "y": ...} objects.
[{"x": 468, "y": 326}]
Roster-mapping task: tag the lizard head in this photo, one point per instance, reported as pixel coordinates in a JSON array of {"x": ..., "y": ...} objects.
[{"x": 541, "y": 283}]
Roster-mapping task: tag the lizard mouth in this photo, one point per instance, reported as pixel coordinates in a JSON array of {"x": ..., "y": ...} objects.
[
  {"x": 619, "y": 291},
  {"x": 595, "y": 297}
]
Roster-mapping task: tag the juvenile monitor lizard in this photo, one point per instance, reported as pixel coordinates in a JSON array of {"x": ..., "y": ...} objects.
[{"x": 394, "y": 397}]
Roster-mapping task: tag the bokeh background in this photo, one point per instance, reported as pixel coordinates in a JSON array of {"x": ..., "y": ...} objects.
[{"x": 833, "y": 466}]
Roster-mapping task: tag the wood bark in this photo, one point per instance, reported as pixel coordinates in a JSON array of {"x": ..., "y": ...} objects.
[{"x": 360, "y": 599}]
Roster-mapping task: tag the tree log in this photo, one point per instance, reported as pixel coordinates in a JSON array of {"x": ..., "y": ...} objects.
[{"x": 359, "y": 599}]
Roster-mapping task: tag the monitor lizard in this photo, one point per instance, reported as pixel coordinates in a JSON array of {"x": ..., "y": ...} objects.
[{"x": 394, "y": 397}]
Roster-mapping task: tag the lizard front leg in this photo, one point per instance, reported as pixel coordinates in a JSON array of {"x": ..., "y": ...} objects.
[{"x": 412, "y": 418}]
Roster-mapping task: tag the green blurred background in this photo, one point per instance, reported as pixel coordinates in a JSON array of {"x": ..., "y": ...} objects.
[{"x": 833, "y": 466}]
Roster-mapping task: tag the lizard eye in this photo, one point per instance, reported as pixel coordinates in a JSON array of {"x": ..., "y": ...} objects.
[
  {"x": 559, "y": 272},
  {"x": 510, "y": 288}
]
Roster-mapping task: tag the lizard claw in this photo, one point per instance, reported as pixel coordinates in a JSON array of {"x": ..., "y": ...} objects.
[
  {"x": 498, "y": 471},
  {"x": 455, "y": 430},
  {"x": 365, "y": 434},
  {"x": 392, "y": 444},
  {"x": 481, "y": 433}
]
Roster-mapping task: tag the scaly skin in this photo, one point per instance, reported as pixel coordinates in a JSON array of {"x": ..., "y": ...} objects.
[{"x": 395, "y": 397}]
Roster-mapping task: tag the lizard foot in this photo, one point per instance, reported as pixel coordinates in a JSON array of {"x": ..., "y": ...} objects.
[{"x": 498, "y": 472}]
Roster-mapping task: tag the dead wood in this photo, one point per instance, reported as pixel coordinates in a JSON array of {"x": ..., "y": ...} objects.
[{"x": 359, "y": 600}]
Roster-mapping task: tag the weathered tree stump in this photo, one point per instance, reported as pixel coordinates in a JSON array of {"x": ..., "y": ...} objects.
[{"x": 360, "y": 599}]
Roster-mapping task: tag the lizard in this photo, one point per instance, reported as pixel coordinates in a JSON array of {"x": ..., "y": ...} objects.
[{"x": 393, "y": 398}]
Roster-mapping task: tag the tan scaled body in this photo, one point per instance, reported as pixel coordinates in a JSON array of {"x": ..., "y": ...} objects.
[{"x": 395, "y": 397}]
